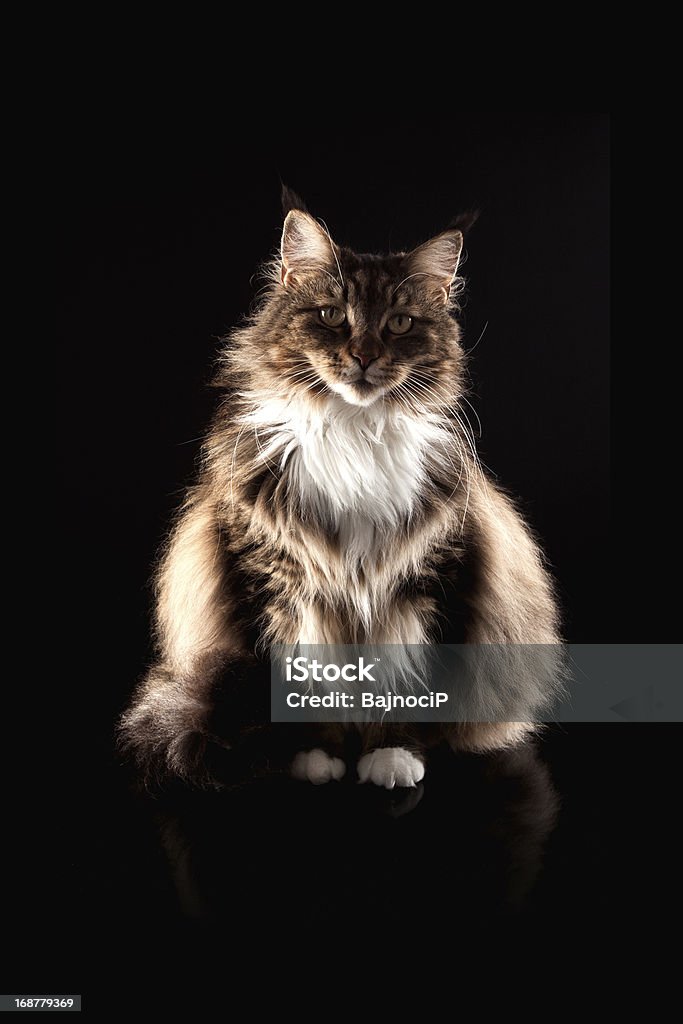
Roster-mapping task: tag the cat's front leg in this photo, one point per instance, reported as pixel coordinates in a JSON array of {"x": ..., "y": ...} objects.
[
  {"x": 320, "y": 761},
  {"x": 392, "y": 758},
  {"x": 390, "y": 767},
  {"x": 317, "y": 766}
]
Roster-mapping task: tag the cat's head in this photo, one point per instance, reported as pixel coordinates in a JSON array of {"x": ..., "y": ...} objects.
[{"x": 361, "y": 326}]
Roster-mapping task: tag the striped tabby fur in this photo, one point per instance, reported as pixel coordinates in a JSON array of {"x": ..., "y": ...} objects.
[{"x": 339, "y": 500}]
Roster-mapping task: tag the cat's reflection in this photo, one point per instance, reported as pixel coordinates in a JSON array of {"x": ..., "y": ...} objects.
[{"x": 274, "y": 853}]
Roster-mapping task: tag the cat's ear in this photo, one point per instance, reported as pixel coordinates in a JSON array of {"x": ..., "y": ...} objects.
[
  {"x": 437, "y": 261},
  {"x": 306, "y": 249}
]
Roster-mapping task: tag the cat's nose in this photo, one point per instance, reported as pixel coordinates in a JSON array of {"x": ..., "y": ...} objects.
[{"x": 365, "y": 354}]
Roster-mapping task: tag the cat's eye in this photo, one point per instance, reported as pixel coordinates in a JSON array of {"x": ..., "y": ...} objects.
[
  {"x": 400, "y": 323},
  {"x": 332, "y": 316}
]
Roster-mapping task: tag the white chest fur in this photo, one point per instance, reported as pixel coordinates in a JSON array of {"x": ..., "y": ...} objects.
[
  {"x": 357, "y": 469},
  {"x": 359, "y": 472}
]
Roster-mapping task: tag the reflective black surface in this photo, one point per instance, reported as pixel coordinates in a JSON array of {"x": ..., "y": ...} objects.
[{"x": 560, "y": 843}]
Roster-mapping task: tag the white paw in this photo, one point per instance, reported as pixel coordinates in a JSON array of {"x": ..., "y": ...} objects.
[
  {"x": 317, "y": 767},
  {"x": 391, "y": 766}
]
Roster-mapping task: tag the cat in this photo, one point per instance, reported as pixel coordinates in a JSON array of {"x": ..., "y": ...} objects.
[{"x": 339, "y": 499}]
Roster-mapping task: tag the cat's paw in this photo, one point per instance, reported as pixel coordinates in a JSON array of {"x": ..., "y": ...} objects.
[
  {"x": 317, "y": 767},
  {"x": 391, "y": 766}
]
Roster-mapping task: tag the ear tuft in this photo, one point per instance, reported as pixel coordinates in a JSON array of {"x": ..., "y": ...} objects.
[
  {"x": 465, "y": 221},
  {"x": 291, "y": 201}
]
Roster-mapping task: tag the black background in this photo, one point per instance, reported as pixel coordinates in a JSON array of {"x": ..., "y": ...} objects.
[{"x": 166, "y": 224}]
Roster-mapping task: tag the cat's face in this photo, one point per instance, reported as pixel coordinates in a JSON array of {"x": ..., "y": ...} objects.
[{"x": 367, "y": 328}]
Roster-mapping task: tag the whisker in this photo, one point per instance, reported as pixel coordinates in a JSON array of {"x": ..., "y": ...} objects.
[
  {"x": 334, "y": 251},
  {"x": 232, "y": 467},
  {"x": 418, "y": 273},
  {"x": 264, "y": 457},
  {"x": 467, "y": 462},
  {"x": 192, "y": 440},
  {"x": 483, "y": 332},
  {"x": 466, "y": 399}
]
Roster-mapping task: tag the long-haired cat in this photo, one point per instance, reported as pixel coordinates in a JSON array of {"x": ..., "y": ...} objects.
[{"x": 340, "y": 500}]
